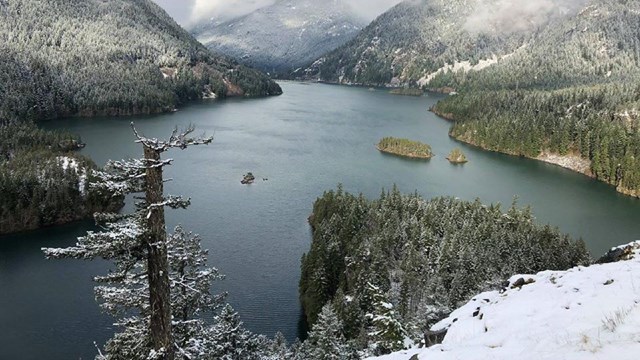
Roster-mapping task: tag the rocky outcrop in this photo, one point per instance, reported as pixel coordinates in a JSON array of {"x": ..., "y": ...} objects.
[
  {"x": 620, "y": 253},
  {"x": 248, "y": 179},
  {"x": 568, "y": 161}
]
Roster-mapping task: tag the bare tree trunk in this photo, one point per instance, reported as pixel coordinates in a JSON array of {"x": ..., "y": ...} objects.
[{"x": 157, "y": 262}]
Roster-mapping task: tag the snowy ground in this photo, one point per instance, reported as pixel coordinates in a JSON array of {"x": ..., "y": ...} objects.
[{"x": 583, "y": 313}]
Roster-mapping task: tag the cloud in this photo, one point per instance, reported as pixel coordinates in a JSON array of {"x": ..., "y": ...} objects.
[
  {"x": 225, "y": 9},
  {"x": 518, "y": 15},
  {"x": 370, "y": 9},
  {"x": 188, "y": 12},
  {"x": 180, "y": 10}
]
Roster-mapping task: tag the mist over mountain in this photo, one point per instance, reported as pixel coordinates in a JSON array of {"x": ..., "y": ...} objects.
[
  {"x": 190, "y": 12},
  {"x": 416, "y": 38},
  {"x": 284, "y": 35},
  {"x": 508, "y": 16}
]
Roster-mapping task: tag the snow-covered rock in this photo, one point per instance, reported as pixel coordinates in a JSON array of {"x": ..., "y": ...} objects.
[{"x": 582, "y": 313}]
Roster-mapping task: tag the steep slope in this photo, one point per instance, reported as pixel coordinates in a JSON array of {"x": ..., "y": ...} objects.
[
  {"x": 570, "y": 94},
  {"x": 284, "y": 36},
  {"x": 599, "y": 44},
  {"x": 95, "y": 57},
  {"x": 417, "y": 38},
  {"x": 579, "y": 314}
]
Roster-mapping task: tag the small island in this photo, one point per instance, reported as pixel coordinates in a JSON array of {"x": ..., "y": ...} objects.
[
  {"x": 405, "y": 147},
  {"x": 456, "y": 156}
]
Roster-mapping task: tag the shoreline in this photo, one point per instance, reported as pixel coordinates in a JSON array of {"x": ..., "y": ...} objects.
[
  {"x": 570, "y": 162},
  {"x": 124, "y": 112}
]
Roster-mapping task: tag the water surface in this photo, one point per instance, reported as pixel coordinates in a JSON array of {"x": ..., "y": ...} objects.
[{"x": 304, "y": 142}]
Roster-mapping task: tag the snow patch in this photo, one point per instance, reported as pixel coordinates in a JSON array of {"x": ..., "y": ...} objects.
[
  {"x": 466, "y": 66},
  {"x": 168, "y": 73},
  {"x": 580, "y": 314}
]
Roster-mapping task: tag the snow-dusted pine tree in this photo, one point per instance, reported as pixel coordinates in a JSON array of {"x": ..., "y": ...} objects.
[
  {"x": 153, "y": 271},
  {"x": 231, "y": 341},
  {"x": 387, "y": 332},
  {"x": 326, "y": 340}
]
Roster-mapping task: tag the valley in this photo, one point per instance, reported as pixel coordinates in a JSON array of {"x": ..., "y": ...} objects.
[
  {"x": 431, "y": 170},
  {"x": 258, "y": 233}
]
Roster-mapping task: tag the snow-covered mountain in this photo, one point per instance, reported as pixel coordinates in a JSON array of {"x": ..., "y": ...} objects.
[
  {"x": 283, "y": 36},
  {"x": 582, "y": 313}
]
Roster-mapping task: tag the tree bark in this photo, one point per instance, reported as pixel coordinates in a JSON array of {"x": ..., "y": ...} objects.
[{"x": 157, "y": 262}]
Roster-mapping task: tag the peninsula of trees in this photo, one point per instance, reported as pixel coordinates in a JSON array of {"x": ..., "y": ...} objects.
[
  {"x": 43, "y": 181},
  {"x": 405, "y": 148},
  {"x": 394, "y": 266}
]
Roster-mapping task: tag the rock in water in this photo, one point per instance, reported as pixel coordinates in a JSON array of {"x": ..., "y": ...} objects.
[{"x": 248, "y": 179}]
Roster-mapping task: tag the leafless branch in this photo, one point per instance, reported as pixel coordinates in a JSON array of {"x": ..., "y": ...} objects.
[{"x": 178, "y": 139}]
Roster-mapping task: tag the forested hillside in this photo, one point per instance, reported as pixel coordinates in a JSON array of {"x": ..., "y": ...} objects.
[
  {"x": 599, "y": 44},
  {"x": 415, "y": 39},
  {"x": 392, "y": 267},
  {"x": 571, "y": 91},
  {"x": 42, "y": 182},
  {"x": 596, "y": 123},
  {"x": 117, "y": 57},
  {"x": 283, "y": 36},
  {"x": 538, "y": 80}
]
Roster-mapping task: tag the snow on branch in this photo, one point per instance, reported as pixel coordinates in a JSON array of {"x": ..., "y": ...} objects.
[
  {"x": 105, "y": 218},
  {"x": 179, "y": 139},
  {"x": 117, "y": 238}
]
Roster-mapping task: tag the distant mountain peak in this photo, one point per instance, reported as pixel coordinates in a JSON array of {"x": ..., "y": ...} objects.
[{"x": 283, "y": 36}]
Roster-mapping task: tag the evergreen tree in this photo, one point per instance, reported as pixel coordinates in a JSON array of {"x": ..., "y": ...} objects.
[
  {"x": 405, "y": 262},
  {"x": 231, "y": 341},
  {"x": 326, "y": 340},
  {"x": 387, "y": 333},
  {"x": 153, "y": 271}
]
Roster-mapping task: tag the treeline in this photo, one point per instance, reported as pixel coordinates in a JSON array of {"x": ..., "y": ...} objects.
[
  {"x": 572, "y": 90},
  {"x": 598, "y": 123},
  {"x": 121, "y": 57},
  {"x": 42, "y": 182},
  {"x": 393, "y": 266}
]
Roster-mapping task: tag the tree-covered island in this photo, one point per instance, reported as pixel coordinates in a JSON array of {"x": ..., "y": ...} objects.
[
  {"x": 405, "y": 148},
  {"x": 456, "y": 156}
]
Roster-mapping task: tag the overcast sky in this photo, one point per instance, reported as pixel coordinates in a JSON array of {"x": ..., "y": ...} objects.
[{"x": 186, "y": 12}]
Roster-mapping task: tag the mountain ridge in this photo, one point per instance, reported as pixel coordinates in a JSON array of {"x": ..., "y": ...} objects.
[
  {"x": 283, "y": 36},
  {"x": 418, "y": 37},
  {"x": 121, "y": 57}
]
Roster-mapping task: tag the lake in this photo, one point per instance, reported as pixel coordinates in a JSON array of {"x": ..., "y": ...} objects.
[{"x": 304, "y": 142}]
